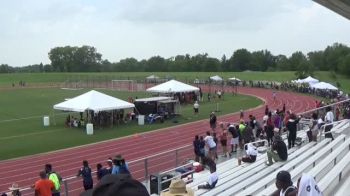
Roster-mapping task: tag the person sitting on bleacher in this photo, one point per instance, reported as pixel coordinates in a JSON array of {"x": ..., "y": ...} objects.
[
  {"x": 278, "y": 151},
  {"x": 213, "y": 179},
  {"x": 284, "y": 185},
  {"x": 252, "y": 152},
  {"x": 307, "y": 186}
]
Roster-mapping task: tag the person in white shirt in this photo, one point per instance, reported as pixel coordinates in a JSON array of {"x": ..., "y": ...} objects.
[
  {"x": 251, "y": 152},
  {"x": 209, "y": 140},
  {"x": 196, "y": 108},
  {"x": 329, "y": 118},
  {"x": 213, "y": 179},
  {"x": 307, "y": 186}
]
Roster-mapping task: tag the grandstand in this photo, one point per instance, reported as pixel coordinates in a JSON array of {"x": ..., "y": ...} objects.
[{"x": 328, "y": 161}]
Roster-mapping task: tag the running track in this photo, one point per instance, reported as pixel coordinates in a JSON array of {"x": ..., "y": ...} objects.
[{"x": 25, "y": 170}]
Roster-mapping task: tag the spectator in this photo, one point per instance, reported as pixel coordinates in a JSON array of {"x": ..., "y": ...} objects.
[
  {"x": 241, "y": 115},
  {"x": 223, "y": 141},
  {"x": 307, "y": 186},
  {"x": 217, "y": 144},
  {"x": 43, "y": 186},
  {"x": 15, "y": 191},
  {"x": 85, "y": 172},
  {"x": 196, "y": 108},
  {"x": 101, "y": 171},
  {"x": 269, "y": 128},
  {"x": 247, "y": 135},
  {"x": 329, "y": 118},
  {"x": 292, "y": 129},
  {"x": 121, "y": 185},
  {"x": 284, "y": 185},
  {"x": 314, "y": 127},
  {"x": 212, "y": 121},
  {"x": 252, "y": 152},
  {"x": 235, "y": 138},
  {"x": 197, "y": 148},
  {"x": 109, "y": 165},
  {"x": 55, "y": 178},
  {"x": 120, "y": 166},
  {"x": 278, "y": 151},
  {"x": 213, "y": 179},
  {"x": 202, "y": 147},
  {"x": 209, "y": 140}
]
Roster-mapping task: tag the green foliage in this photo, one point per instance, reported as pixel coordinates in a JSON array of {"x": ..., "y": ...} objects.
[
  {"x": 87, "y": 59},
  {"x": 75, "y": 59}
]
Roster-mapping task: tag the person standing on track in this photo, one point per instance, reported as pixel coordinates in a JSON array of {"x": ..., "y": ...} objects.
[
  {"x": 274, "y": 96},
  {"x": 85, "y": 172},
  {"x": 212, "y": 121},
  {"x": 55, "y": 178}
]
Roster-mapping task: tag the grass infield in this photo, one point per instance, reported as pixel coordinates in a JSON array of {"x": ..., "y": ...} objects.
[{"x": 22, "y": 110}]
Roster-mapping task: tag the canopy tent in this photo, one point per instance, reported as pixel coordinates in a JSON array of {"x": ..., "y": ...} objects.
[
  {"x": 152, "y": 77},
  {"x": 94, "y": 101},
  {"x": 216, "y": 78},
  {"x": 234, "y": 79},
  {"x": 324, "y": 85},
  {"x": 310, "y": 80},
  {"x": 172, "y": 86}
]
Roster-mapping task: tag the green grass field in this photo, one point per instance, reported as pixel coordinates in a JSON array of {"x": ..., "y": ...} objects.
[
  {"x": 22, "y": 132},
  {"x": 6, "y": 80}
]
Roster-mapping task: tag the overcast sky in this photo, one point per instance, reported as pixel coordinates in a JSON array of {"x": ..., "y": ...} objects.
[{"x": 145, "y": 28}]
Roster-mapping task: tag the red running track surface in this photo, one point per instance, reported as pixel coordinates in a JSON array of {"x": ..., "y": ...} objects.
[{"x": 24, "y": 171}]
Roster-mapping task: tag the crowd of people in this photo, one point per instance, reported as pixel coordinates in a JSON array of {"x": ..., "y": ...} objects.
[
  {"x": 50, "y": 182},
  {"x": 245, "y": 136}
]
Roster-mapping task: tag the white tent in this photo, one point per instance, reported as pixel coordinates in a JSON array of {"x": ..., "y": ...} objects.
[
  {"x": 324, "y": 85},
  {"x": 93, "y": 100},
  {"x": 172, "y": 86},
  {"x": 216, "y": 78},
  {"x": 234, "y": 79},
  {"x": 310, "y": 80},
  {"x": 152, "y": 77}
]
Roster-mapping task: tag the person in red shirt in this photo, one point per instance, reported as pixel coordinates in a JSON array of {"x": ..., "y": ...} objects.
[{"x": 43, "y": 186}]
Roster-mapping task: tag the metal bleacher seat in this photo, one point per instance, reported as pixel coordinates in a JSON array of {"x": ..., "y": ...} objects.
[
  {"x": 257, "y": 169},
  {"x": 314, "y": 162},
  {"x": 268, "y": 175},
  {"x": 330, "y": 181}
]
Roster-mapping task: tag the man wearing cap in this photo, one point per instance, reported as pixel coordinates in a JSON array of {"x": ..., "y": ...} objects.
[
  {"x": 284, "y": 185},
  {"x": 278, "y": 151}
]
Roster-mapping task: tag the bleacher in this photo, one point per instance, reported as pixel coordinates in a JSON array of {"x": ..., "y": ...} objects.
[{"x": 328, "y": 161}]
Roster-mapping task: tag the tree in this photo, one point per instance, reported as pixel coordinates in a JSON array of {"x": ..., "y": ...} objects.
[
  {"x": 298, "y": 59},
  {"x": 345, "y": 65},
  {"x": 75, "y": 59},
  {"x": 240, "y": 60}
]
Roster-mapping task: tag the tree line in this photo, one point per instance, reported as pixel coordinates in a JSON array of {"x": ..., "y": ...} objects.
[{"x": 335, "y": 58}]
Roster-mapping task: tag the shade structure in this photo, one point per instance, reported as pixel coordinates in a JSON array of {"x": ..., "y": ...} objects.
[
  {"x": 324, "y": 85},
  {"x": 234, "y": 79},
  {"x": 216, "y": 78},
  {"x": 172, "y": 86},
  {"x": 152, "y": 77},
  {"x": 310, "y": 80},
  {"x": 93, "y": 100}
]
